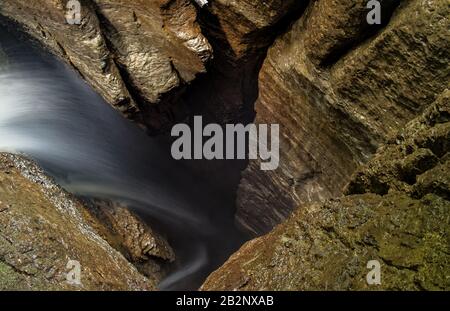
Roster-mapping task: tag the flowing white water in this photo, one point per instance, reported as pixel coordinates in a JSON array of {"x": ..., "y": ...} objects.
[{"x": 50, "y": 114}]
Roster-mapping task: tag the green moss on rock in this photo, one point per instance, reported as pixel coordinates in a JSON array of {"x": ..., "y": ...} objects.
[
  {"x": 396, "y": 212},
  {"x": 42, "y": 228}
]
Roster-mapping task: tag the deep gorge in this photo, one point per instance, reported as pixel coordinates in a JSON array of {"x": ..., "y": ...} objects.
[{"x": 342, "y": 91}]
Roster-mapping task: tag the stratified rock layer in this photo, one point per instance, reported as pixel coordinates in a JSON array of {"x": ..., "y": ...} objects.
[
  {"x": 402, "y": 221},
  {"x": 338, "y": 88},
  {"x": 42, "y": 228}
]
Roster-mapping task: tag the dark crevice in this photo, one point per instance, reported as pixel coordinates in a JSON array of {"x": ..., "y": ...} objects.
[
  {"x": 227, "y": 92},
  {"x": 390, "y": 263},
  {"x": 388, "y": 7}
]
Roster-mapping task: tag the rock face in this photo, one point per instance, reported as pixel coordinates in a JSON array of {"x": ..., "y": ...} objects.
[
  {"x": 146, "y": 249},
  {"x": 42, "y": 228},
  {"x": 247, "y": 26},
  {"x": 240, "y": 33},
  {"x": 136, "y": 54},
  {"x": 414, "y": 161},
  {"x": 338, "y": 87},
  {"x": 396, "y": 212}
]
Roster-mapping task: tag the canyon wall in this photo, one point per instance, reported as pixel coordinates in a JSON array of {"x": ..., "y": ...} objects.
[
  {"x": 338, "y": 87},
  {"x": 142, "y": 56},
  {"x": 240, "y": 33},
  {"x": 395, "y": 211}
]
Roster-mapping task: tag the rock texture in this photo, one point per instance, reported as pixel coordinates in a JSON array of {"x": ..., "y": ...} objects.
[
  {"x": 240, "y": 33},
  {"x": 137, "y": 54},
  {"x": 42, "y": 227},
  {"x": 147, "y": 250},
  {"x": 401, "y": 221},
  {"x": 338, "y": 87},
  {"x": 246, "y": 27},
  {"x": 415, "y": 161}
]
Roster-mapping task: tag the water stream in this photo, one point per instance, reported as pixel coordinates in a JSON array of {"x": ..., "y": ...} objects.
[{"x": 49, "y": 113}]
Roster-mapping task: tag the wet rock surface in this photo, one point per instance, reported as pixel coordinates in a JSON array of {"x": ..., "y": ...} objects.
[
  {"x": 42, "y": 228},
  {"x": 337, "y": 86},
  {"x": 149, "y": 252},
  {"x": 240, "y": 33},
  {"x": 402, "y": 224},
  {"x": 134, "y": 53}
]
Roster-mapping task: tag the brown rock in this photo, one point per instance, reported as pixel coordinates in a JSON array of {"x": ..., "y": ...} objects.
[
  {"x": 247, "y": 26},
  {"x": 240, "y": 33},
  {"x": 132, "y": 52},
  {"x": 327, "y": 246},
  {"x": 334, "y": 114},
  {"x": 126, "y": 232},
  {"x": 42, "y": 228},
  {"x": 335, "y": 27}
]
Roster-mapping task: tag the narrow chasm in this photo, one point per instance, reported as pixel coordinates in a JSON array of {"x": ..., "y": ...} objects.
[{"x": 88, "y": 123}]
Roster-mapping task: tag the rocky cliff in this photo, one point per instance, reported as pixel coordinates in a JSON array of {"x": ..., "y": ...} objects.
[
  {"x": 395, "y": 211},
  {"x": 43, "y": 228},
  {"x": 339, "y": 84},
  {"x": 240, "y": 33},
  {"x": 136, "y": 54},
  {"x": 337, "y": 88}
]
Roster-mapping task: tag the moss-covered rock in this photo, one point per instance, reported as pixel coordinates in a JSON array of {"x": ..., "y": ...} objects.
[
  {"x": 327, "y": 247},
  {"x": 396, "y": 212},
  {"x": 413, "y": 159},
  {"x": 42, "y": 228}
]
